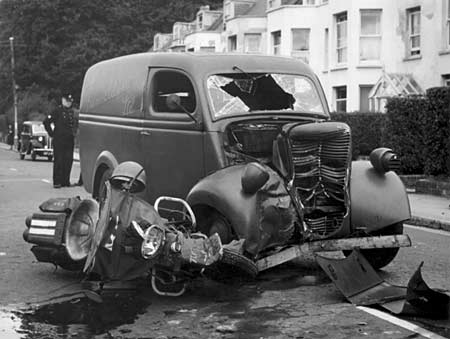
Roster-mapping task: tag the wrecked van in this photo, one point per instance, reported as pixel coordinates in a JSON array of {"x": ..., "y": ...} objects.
[{"x": 248, "y": 141}]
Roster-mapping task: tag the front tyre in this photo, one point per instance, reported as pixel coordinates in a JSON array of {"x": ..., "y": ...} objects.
[
  {"x": 101, "y": 192},
  {"x": 232, "y": 266},
  {"x": 381, "y": 257}
]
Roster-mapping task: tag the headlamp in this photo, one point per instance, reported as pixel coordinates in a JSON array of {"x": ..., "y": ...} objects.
[
  {"x": 41, "y": 139},
  {"x": 153, "y": 241}
]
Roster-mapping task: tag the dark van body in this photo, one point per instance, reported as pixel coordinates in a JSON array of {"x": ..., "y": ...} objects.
[
  {"x": 120, "y": 118},
  {"x": 194, "y": 121}
]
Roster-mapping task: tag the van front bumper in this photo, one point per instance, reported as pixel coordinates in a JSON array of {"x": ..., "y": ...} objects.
[{"x": 330, "y": 245}]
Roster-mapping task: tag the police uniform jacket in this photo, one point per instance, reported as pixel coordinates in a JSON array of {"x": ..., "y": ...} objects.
[{"x": 64, "y": 121}]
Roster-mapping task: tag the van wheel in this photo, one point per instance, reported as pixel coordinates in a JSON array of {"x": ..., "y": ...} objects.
[
  {"x": 33, "y": 155},
  {"x": 101, "y": 192},
  {"x": 210, "y": 221},
  {"x": 22, "y": 156},
  {"x": 381, "y": 257},
  {"x": 50, "y": 158}
]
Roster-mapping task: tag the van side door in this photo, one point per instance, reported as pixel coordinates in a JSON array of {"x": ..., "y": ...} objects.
[{"x": 172, "y": 142}]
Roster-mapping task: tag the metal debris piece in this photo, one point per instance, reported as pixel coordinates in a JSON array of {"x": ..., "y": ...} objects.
[
  {"x": 358, "y": 281},
  {"x": 421, "y": 300},
  {"x": 361, "y": 285}
]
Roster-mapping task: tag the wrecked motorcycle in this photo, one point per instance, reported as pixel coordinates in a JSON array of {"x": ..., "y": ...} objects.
[{"x": 125, "y": 238}]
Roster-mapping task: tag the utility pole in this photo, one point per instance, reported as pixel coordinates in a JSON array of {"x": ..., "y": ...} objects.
[{"x": 16, "y": 135}]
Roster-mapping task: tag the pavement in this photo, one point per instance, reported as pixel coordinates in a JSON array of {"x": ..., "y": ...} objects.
[{"x": 427, "y": 210}]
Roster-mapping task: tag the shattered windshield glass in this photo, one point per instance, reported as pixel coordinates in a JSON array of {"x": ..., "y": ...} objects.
[{"x": 237, "y": 94}]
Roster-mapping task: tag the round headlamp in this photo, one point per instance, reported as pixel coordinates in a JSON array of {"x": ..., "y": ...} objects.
[
  {"x": 153, "y": 242},
  {"x": 40, "y": 139}
]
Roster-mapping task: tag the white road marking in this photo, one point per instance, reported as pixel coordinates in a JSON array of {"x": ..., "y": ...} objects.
[
  {"x": 13, "y": 169},
  {"x": 402, "y": 323},
  {"x": 429, "y": 230},
  {"x": 46, "y": 181},
  {"x": 2, "y": 254}
]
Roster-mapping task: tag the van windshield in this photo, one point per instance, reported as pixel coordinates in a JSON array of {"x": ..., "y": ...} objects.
[{"x": 244, "y": 93}]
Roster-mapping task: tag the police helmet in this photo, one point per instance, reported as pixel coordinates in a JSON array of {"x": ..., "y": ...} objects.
[
  {"x": 129, "y": 175},
  {"x": 68, "y": 97}
]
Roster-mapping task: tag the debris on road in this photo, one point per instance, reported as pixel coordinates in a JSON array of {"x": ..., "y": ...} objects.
[{"x": 361, "y": 285}]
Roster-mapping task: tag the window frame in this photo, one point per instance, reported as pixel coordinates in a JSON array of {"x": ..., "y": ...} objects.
[
  {"x": 200, "y": 20},
  {"x": 363, "y": 87},
  {"x": 232, "y": 40},
  {"x": 246, "y": 45},
  {"x": 301, "y": 53},
  {"x": 343, "y": 46},
  {"x": 149, "y": 102},
  {"x": 338, "y": 100},
  {"x": 227, "y": 10},
  {"x": 448, "y": 24},
  {"x": 446, "y": 80},
  {"x": 276, "y": 49},
  {"x": 411, "y": 13},
  {"x": 377, "y": 36},
  {"x": 326, "y": 53}
]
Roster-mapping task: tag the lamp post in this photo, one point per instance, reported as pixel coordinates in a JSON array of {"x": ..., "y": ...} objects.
[{"x": 16, "y": 136}]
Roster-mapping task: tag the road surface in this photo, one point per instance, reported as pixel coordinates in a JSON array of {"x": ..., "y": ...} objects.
[{"x": 294, "y": 301}]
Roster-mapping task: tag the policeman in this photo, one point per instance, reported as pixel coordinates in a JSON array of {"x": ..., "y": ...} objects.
[{"x": 62, "y": 132}]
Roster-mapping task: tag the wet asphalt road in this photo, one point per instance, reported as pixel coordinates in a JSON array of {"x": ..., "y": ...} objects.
[{"x": 294, "y": 301}]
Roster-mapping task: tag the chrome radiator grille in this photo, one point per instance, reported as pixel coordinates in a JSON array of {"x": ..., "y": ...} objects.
[{"x": 321, "y": 169}]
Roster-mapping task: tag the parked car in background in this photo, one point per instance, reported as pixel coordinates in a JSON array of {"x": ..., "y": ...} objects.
[
  {"x": 248, "y": 141},
  {"x": 35, "y": 141}
]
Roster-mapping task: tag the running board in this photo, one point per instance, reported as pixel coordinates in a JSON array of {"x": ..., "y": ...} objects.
[{"x": 292, "y": 252}]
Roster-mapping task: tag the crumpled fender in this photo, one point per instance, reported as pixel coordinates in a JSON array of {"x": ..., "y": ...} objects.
[
  {"x": 377, "y": 200},
  {"x": 263, "y": 219},
  {"x": 222, "y": 190}
]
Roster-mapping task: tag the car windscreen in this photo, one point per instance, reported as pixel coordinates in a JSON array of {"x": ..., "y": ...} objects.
[
  {"x": 38, "y": 129},
  {"x": 244, "y": 93}
]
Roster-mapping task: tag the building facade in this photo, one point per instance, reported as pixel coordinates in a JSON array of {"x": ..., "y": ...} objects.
[{"x": 350, "y": 44}]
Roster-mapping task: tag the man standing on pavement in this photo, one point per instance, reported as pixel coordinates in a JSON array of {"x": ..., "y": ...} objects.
[{"x": 62, "y": 132}]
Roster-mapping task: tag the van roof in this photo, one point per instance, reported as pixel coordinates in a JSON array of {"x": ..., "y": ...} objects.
[{"x": 208, "y": 63}]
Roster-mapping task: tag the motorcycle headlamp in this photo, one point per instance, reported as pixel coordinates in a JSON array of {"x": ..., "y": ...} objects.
[{"x": 153, "y": 242}]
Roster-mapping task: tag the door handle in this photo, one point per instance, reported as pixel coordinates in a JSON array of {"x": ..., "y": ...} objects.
[{"x": 145, "y": 132}]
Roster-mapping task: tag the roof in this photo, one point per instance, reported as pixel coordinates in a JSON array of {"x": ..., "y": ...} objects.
[
  {"x": 210, "y": 63},
  {"x": 394, "y": 84},
  {"x": 217, "y": 24},
  {"x": 258, "y": 9}
]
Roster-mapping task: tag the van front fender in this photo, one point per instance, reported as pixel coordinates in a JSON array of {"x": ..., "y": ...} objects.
[
  {"x": 222, "y": 191},
  {"x": 377, "y": 200}
]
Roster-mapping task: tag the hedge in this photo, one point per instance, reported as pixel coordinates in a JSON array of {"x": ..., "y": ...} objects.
[
  {"x": 436, "y": 138},
  {"x": 366, "y": 130},
  {"x": 417, "y": 128},
  {"x": 405, "y": 130}
]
